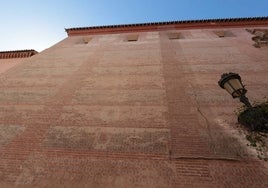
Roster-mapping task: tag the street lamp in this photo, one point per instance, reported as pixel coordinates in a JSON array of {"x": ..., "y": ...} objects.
[{"x": 232, "y": 83}]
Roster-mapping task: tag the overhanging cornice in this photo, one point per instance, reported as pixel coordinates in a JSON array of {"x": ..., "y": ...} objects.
[
  {"x": 187, "y": 24},
  {"x": 17, "y": 54}
]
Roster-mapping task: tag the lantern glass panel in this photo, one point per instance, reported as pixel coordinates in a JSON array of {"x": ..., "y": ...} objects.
[
  {"x": 228, "y": 87},
  {"x": 234, "y": 87},
  {"x": 236, "y": 84}
]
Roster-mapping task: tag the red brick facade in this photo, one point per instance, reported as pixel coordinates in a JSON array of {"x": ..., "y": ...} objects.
[{"x": 100, "y": 109}]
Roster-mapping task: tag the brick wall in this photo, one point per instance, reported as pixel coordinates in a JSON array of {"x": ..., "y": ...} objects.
[{"x": 146, "y": 113}]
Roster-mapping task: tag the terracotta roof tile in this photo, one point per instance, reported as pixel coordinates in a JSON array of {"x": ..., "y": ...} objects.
[
  {"x": 17, "y": 54},
  {"x": 181, "y": 23}
]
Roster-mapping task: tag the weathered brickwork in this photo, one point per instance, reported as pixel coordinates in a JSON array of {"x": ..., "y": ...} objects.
[
  {"x": 7, "y": 132},
  {"x": 99, "y": 111},
  {"x": 109, "y": 139}
]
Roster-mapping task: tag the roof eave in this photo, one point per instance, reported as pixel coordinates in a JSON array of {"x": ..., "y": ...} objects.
[{"x": 186, "y": 24}]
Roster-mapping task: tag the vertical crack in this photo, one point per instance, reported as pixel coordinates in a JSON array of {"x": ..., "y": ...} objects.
[{"x": 208, "y": 125}]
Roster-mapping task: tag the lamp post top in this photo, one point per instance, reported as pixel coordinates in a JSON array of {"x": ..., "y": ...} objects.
[{"x": 226, "y": 77}]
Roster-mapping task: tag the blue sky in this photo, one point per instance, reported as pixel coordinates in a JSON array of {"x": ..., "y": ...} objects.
[{"x": 38, "y": 24}]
